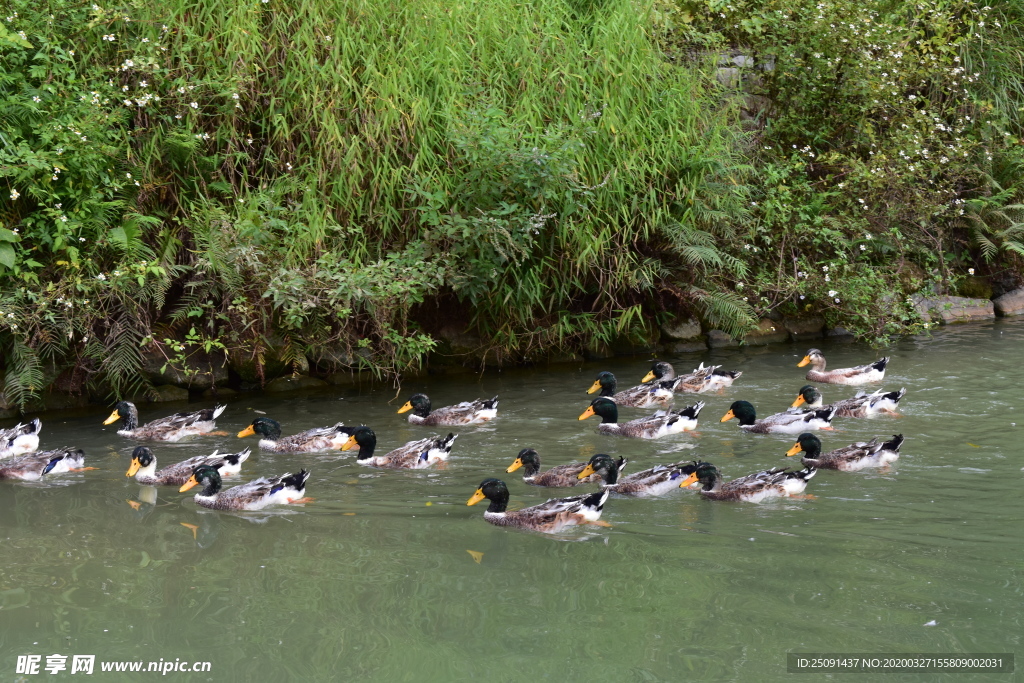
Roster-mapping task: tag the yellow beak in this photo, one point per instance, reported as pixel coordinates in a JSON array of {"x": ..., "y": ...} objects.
[
  {"x": 133, "y": 468},
  {"x": 648, "y": 377},
  {"x": 476, "y": 497},
  {"x": 587, "y": 471},
  {"x": 514, "y": 466},
  {"x": 248, "y": 431},
  {"x": 800, "y": 400},
  {"x": 188, "y": 484},
  {"x": 114, "y": 417},
  {"x": 797, "y": 448},
  {"x": 406, "y": 408},
  {"x": 728, "y": 416},
  {"x": 805, "y": 361},
  {"x": 692, "y": 479},
  {"x": 596, "y": 386},
  {"x": 586, "y": 413},
  {"x": 350, "y": 444}
]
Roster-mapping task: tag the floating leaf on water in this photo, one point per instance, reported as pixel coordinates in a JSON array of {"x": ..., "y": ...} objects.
[
  {"x": 476, "y": 555},
  {"x": 145, "y": 559},
  {"x": 973, "y": 445}
]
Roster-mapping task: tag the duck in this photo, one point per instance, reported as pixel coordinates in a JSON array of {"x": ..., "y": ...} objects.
[
  {"x": 20, "y": 439},
  {"x": 850, "y": 458},
  {"x": 861, "y": 405},
  {"x": 656, "y": 481},
  {"x": 785, "y": 423},
  {"x": 560, "y": 475},
  {"x": 255, "y": 495},
  {"x": 143, "y": 466},
  {"x": 312, "y": 440},
  {"x": 658, "y": 425},
  {"x": 33, "y": 466},
  {"x": 862, "y": 374},
  {"x": 774, "y": 483},
  {"x": 641, "y": 396},
  {"x": 549, "y": 517},
  {"x": 465, "y": 413},
  {"x": 172, "y": 428},
  {"x": 413, "y": 455},
  {"x": 701, "y": 380}
]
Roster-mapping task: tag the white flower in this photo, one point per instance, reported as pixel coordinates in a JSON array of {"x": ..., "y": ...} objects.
[
  {"x": 824, "y": 269},
  {"x": 832, "y": 292},
  {"x": 194, "y": 105},
  {"x": 828, "y": 279},
  {"x": 15, "y": 194},
  {"x": 37, "y": 98},
  {"x": 863, "y": 248},
  {"x": 802, "y": 297},
  {"x": 127, "y": 175},
  {"x": 81, "y": 239},
  {"x": 145, "y": 40},
  {"x": 58, "y": 205},
  {"x": 970, "y": 271},
  {"x": 101, "y": 277},
  {"x": 234, "y": 96},
  {"x": 142, "y": 84},
  {"x": 837, "y": 299},
  {"x": 63, "y": 219},
  {"x": 124, "y": 88}
]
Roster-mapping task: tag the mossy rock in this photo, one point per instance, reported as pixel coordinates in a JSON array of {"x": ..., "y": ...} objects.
[
  {"x": 167, "y": 392},
  {"x": 975, "y": 288},
  {"x": 295, "y": 383}
]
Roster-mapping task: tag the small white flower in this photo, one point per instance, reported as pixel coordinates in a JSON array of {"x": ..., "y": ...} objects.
[
  {"x": 837, "y": 299},
  {"x": 970, "y": 271},
  {"x": 37, "y": 98},
  {"x": 177, "y": 116},
  {"x": 124, "y": 88},
  {"x": 863, "y": 248},
  {"x": 824, "y": 269},
  {"x": 802, "y": 297},
  {"x": 828, "y": 279},
  {"x": 15, "y": 194},
  {"x": 194, "y": 105},
  {"x": 206, "y": 136},
  {"x": 234, "y": 96},
  {"x": 71, "y": 52},
  {"x": 127, "y": 175},
  {"x": 832, "y": 292},
  {"x": 145, "y": 40},
  {"x": 58, "y": 205},
  {"x": 63, "y": 219},
  {"x": 82, "y": 239},
  {"x": 142, "y": 84}
]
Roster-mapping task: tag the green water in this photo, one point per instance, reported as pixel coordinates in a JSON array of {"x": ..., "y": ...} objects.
[{"x": 373, "y": 580}]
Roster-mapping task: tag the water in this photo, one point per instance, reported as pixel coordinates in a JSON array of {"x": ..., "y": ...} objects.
[{"x": 374, "y": 582}]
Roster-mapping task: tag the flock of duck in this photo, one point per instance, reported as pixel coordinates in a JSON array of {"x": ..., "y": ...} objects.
[{"x": 20, "y": 458}]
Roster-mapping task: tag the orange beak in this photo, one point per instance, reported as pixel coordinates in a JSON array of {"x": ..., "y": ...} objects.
[
  {"x": 797, "y": 448},
  {"x": 648, "y": 377},
  {"x": 587, "y": 471},
  {"x": 586, "y": 413},
  {"x": 689, "y": 481},
  {"x": 350, "y": 444},
  {"x": 728, "y": 416},
  {"x": 188, "y": 484},
  {"x": 133, "y": 468},
  {"x": 596, "y": 386},
  {"x": 114, "y": 417},
  {"x": 476, "y": 497},
  {"x": 805, "y": 361},
  {"x": 800, "y": 400},
  {"x": 406, "y": 408},
  {"x": 248, "y": 431},
  {"x": 514, "y": 466}
]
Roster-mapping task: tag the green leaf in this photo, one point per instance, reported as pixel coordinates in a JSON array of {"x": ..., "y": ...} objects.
[{"x": 7, "y": 255}]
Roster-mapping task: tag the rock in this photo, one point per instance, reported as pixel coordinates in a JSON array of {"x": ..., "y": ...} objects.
[
  {"x": 685, "y": 347},
  {"x": 293, "y": 383},
  {"x": 347, "y": 379},
  {"x": 717, "y": 339},
  {"x": 840, "y": 334},
  {"x": 1011, "y": 303},
  {"x": 681, "y": 330},
  {"x": 809, "y": 327},
  {"x": 219, "y": 392},
  {"x": 167, "y": 392},
  {"x": 953, "y": 309},
  {"x": 246, "y": 366},
  {"x": 162, "y": 364},
  {"x": 766, "y": 332}
]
